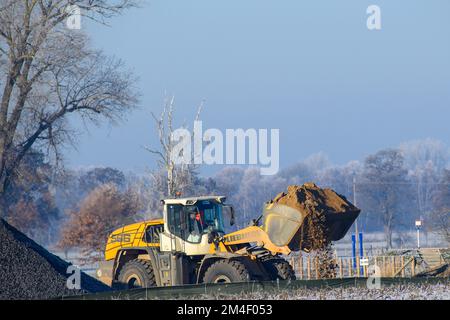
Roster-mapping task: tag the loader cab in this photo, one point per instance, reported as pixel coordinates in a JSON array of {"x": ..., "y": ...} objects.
[{"x": 190, "y": 224}]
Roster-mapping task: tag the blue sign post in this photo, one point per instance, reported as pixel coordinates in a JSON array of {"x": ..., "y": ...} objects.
[
  {"x": 354, "y": 250},
  {"x": 361, "y": 252}
]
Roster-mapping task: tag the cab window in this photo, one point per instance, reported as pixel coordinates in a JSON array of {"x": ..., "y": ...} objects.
[
  {"x": 152, "y": 233},
  {"x": 190, "y": 222},
  {"x": 176, "y": 220}
]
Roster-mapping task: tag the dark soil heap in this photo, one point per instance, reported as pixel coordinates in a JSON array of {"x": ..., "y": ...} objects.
[
  {"x": 28, "y": 271},
  {"x": 327, "y": 217}
]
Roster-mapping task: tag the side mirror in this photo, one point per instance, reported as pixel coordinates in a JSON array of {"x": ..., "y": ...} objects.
[
  {"x": 232, "y": 216},
  {"x": 229, "y": 211}
]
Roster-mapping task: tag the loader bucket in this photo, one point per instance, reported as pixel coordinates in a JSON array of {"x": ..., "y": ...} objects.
[
  {"x": 281, "y": 223},
  {"x": 287, "y": 226},
  {"x": 338, "y": 224}
]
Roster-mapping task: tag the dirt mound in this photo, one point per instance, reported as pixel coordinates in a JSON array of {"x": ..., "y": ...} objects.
[
  {"x": 327, "y": 216},
  {"x": 322, "y": 209},
  {"x": 309, "y": 198},
  {"x": 28, "y": 271}
]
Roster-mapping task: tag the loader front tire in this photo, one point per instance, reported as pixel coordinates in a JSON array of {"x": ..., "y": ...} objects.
[
  {"x": 279, "y": 269},
  {"x": 226, "y": 271},
  {"x": 137, "y": 273}
]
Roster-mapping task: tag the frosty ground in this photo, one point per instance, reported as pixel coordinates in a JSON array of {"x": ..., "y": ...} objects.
[{"x": 422, "y": 291}]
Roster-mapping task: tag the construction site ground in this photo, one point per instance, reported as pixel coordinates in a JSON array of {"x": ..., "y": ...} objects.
[{"x": 349, "y": 288}]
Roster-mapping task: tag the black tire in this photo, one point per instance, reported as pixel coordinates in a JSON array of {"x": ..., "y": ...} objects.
[
  {"x": 279, "y": 269},
  {"x": 137, "y": 273},
  {"x": 226, "y": 271}
]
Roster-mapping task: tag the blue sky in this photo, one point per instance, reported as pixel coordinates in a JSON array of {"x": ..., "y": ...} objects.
[{"x": 310, "y": 68}]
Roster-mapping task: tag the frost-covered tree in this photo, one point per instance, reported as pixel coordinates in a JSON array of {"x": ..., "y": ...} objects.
[
  {"x": 179, "y": 176},
  {"x": 440, "y": 216},
  {"x": 419, "y": 153},
  {"x": 306, "y": 170},
  {"x": 384, "y": 188},
  {"x": 49, "y": 74},
  {"x": 95, "y": 177},
  {"x": 341, "y": 178},
  {"x": 425, "y": 160},
  {"x": 254, "y": 191}
]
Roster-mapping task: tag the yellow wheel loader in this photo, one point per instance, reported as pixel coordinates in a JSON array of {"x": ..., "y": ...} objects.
[{"x": 189, "y": 245}]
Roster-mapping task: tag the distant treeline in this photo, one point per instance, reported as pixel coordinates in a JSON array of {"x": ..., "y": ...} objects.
[{"x": 393, "y": 187}]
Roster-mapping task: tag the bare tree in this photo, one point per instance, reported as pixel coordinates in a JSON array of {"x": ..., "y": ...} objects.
[
  {"x": 440, "y": 216},
  {"x": 383, "y": 189},
  {"x": 47, "y": 73},
  {"x": 426, "y": 160},
  {"x": 179, "y": 176}
]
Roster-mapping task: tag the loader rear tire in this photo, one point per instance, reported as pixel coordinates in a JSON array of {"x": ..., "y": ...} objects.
[
  {"x": 226, "y": 271},
  {"x": 137, "y": 273},
  {"x": 279, "y": 269}
]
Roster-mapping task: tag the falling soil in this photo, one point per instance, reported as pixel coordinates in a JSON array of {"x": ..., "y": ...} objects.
[
  {"x": 327, "y": 217},
  {"x": 28, "y": 271}
]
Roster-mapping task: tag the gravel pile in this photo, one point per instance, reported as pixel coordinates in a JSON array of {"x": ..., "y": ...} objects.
[{"x": 28, "y": 271}]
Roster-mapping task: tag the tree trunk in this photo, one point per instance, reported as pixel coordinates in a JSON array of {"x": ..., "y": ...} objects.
[
  {"x": 170, "y": 182},
  {"x": 389, "y": 238},
  {"x": 3, "y": 202},
  {"x": 388, "y": 229}
]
